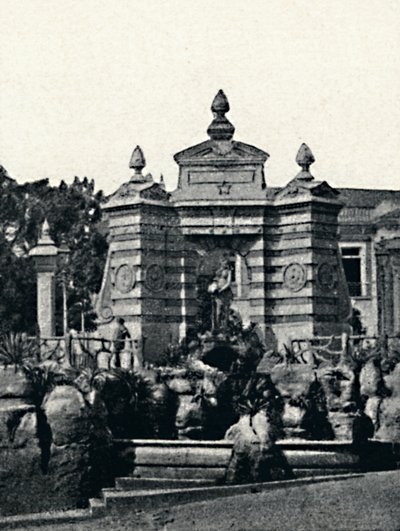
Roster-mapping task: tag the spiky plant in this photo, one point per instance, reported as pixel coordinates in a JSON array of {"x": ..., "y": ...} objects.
[
  {"x": 16, "y": 348},
  {"x": 43, "y": 377},
  {"x": 128, "y": 397}
]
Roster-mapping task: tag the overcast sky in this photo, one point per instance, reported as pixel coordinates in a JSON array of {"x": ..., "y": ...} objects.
[{"x": 83, "y": 81}]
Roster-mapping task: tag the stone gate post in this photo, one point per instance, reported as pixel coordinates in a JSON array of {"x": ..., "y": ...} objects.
[{"x": 45, "y": 258}]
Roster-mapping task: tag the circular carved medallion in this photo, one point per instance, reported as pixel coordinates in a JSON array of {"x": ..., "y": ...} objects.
[
  {"x": 327, "y": 277},
  {"x": 294, "y": 277},
  {"x": 155, "y": 277},
  {"x": 107, "y": 314},
  {"x": 124, "y": 278}
]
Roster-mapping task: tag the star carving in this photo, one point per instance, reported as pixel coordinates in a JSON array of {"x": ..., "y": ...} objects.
[{"x": 224, "y": 188}]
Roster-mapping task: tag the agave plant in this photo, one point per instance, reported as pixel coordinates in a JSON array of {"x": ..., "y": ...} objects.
[
  {"x": 44, "y": 377},
  {"x": 129, "y": 400},
  {"x": 260, "y": 394},
  {"x": 16, "y": 348}
]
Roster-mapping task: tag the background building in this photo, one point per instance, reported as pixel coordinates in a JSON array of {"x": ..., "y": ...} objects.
[{"x": 369, "y": 228}]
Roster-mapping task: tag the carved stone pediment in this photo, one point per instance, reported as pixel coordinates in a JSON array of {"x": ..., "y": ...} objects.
[
  {"x": 229, "y": 151},
  {"x": 155, "y": 193},
  {"x": 299, "y": 187},
  {"x": 135, "y": 191}
]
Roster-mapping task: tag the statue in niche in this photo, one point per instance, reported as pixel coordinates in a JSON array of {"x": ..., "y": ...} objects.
[{"x": 221, "y": 294}]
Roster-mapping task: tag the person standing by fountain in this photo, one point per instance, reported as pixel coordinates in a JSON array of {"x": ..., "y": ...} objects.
[
  {"x": 222, "y": 296},
  {"x": 120, "y": 335}
]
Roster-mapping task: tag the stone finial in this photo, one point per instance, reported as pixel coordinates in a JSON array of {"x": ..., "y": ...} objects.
[
  {"x": 137, "y": 162},
  {"x": 162, "y": 183},
  {"x": 45, "y": 231},
  {"x": 44, "y": 237},
  {"x": 304, "y": 159},
  {"x": 220, "y": 103},
  {"x": 220, "y": 128},
  {"x": 45, "y": 245}
]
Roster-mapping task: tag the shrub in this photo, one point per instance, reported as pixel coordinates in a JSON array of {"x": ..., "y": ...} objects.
[
  {"x": 16, "y": 348},
  {"x": 128, "y": 397}
]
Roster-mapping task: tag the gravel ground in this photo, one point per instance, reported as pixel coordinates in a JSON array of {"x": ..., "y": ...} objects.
[{"x": 368, "y": 503}]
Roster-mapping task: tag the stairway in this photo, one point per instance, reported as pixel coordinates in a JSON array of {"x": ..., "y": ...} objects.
[{"x": 164, "y": 472}]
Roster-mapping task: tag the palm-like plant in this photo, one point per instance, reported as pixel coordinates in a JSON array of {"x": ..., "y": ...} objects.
[
  {"x": 16, "y": 348},
  {"x": 129, "y": 400},
  {"x": 261, "y": 394},
  {"x": 44, "y": 377}
]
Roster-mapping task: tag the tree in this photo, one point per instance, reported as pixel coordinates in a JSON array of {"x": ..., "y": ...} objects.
[{"x": 74, "y": 215}]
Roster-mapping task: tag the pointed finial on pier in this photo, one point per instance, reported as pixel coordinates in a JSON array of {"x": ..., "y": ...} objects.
[
  {"x": 45, "y": 228},
  {"x": 304, "y": 159},
  {"x": 137, "y": 162},
  {"x": 220, "y": 128},
  {"x": 44, "y": 236},
  {"x": 220, "y": 103},
  {"x": 162, "y": 183}
]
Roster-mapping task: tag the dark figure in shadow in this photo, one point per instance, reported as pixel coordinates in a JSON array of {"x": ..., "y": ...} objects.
[{"x": 120, "y": 335}]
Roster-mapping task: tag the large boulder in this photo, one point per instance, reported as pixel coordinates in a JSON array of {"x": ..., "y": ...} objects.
[
  {"x": 68, "y": 415},
  {"x": 21, "y": 477},
  {"x": 392, "y": 381},
  {"x": 13, "y": 383},
  {"x": 389, "y": 409},
  {"x": 165, "y": 405},
  {"x": 373, "y": 390},
  {"x": 293, "y": 383},
  {"x": 338, "y": 384},
  {"x": 197, "y": 413},
  {"x": 195, "y": 416},
  {"x": 255, "y": 458},
  {"x": 293, "y": 380},
  {"x": 371, "y": 380},
  {"x": 78, "y": 456},
  {"x": 389, "y": 420},
  {"x": 53, "y": 456},
  {"x": 180, "y": 385}
]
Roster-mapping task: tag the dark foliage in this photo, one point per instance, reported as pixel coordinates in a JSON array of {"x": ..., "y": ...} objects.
[
  {"x": 129, "y": 400},
  {"x": 74, "y": 215},
  {"x": 315, "y": 422},
  {"x": 163, "y": 411}
]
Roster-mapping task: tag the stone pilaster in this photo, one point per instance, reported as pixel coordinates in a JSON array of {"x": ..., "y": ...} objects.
[
  {"x": 305, "y": 295},
  {"x": 388, "y": 286},
  {"x": 141, "y": 279}
]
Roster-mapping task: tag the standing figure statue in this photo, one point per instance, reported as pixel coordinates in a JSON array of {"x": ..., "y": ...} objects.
[{"x": 221, "y": 293}]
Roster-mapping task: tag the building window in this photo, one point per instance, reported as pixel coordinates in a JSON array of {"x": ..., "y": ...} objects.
[{"x": 352, "y": 264}]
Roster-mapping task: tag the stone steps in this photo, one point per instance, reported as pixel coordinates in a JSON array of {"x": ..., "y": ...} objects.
[
  {"x": 164, "y": 472},
  {"x": 180, "y": 472},
  {"x": 114, "y": 500},
  {"x": 134, "y": 483},
  {"x": 322, "y": 472},
  {"x": 72, "y": 517}
]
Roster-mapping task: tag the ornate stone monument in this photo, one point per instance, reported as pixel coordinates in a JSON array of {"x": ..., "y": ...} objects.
[{"x": 282, "y": 268}]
